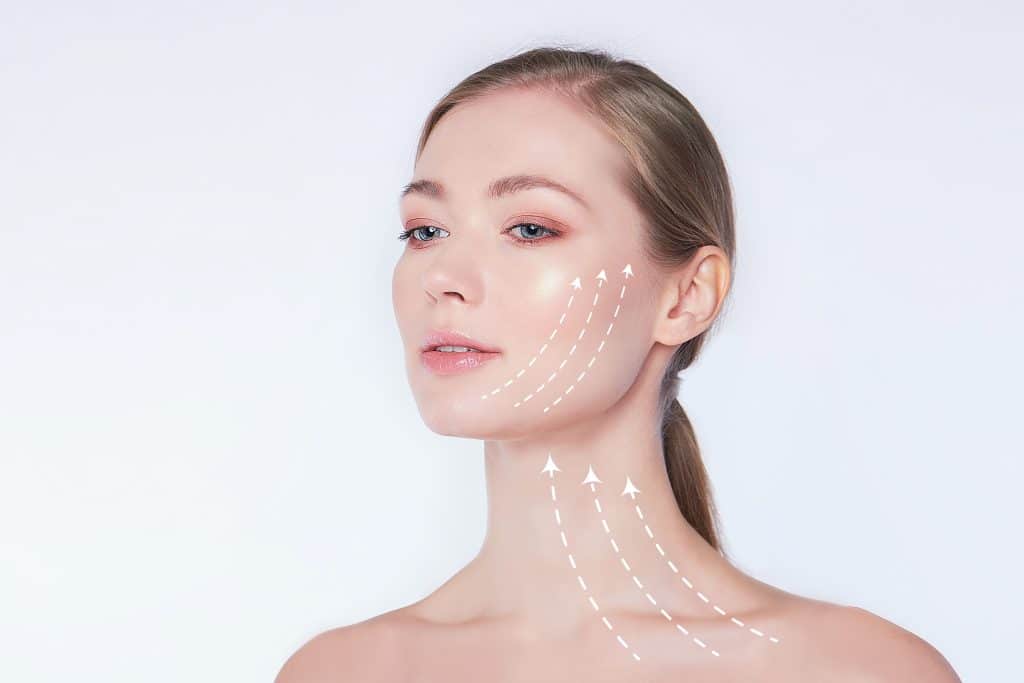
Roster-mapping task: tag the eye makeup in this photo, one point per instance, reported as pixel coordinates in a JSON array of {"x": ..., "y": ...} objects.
[{"x": 540, "y": 227}]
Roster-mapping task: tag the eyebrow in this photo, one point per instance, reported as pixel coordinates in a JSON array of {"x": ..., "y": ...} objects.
[{"x": 499, "y": 188}]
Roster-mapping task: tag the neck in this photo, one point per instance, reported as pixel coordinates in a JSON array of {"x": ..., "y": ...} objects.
[{"x": 523, "y": 572}]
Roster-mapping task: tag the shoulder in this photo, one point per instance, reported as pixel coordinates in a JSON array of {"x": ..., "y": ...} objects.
[
  {"x": 868, "y": 648},
  {"x": 356, "y": 652}
]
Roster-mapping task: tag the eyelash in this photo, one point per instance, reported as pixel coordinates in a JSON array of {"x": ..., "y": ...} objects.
[{"x": 407, "y": 234}]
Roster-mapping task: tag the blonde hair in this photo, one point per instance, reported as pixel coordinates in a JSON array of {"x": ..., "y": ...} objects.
[{"x": 679, "y": 182}]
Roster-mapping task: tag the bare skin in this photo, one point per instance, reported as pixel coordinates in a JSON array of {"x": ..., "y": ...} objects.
[{"x": 524, "y": 608}]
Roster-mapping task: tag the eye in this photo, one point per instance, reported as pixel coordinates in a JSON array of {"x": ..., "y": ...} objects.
[
  {"x": 429, "y": 230},
  {"x": 534, "y": 232},
  {"x": 524, "y": 232}
]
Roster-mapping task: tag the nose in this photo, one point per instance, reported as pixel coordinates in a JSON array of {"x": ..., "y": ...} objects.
[{"x": 452, "y": 276}]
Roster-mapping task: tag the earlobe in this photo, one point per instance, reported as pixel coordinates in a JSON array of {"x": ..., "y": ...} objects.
[{"x": 692, "y": 297}]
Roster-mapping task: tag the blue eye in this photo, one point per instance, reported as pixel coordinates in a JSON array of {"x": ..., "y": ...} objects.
[
  {"x": 535, "y": 232},
  {"x": 406, "y": 234},
  {"x": 532, "y": 236}
]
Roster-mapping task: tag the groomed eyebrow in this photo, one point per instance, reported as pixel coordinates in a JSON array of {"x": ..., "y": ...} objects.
[{"x": 499, "y": 188}]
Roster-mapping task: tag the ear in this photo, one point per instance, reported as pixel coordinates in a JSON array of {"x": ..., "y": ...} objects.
[{"x": 692, "y": 296}]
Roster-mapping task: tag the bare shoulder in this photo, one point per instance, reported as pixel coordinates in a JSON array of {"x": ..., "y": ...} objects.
[
  {"x": 357, "y": 652},
  {"x": 871, "y": 649}
]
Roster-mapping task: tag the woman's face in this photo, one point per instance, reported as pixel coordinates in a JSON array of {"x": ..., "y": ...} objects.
[{"x": 519, "y": 272}]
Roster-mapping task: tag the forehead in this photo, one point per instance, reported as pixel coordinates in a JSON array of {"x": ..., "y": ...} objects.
[{"x": 516, "y": 131}]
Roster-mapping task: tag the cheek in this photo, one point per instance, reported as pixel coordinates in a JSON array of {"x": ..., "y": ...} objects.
[
  {"x": 402, "y": 292},
  {"x": 574, "y": 336},
  {"x": 537, "y": 299}
]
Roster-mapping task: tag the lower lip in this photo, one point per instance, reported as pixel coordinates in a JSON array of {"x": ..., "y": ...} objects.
[{"x": 454, "y": 362}]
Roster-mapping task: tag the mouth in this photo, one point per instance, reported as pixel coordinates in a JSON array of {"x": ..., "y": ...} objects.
[{"x": 448, "y": 352}]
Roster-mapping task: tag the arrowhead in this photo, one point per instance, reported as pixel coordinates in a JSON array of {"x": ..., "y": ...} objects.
[
  {"x": 550, "y": 467},
  {"x": 591, "y": 477},
  {"x": 601, "y": 275},
  {"x": 576, "y": 284},
  {"x": 628, "y": 270},
  {"x": 630, "y": 489}
]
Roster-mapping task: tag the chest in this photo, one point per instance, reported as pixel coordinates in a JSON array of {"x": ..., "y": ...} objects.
[{"x": 604, "y": 662}]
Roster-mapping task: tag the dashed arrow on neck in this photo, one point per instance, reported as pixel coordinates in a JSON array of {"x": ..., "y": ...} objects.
[
  {"x": 591, "y": 478},
  {"x": 630, "y": 489},
  {"x": 550, "y": 467}
]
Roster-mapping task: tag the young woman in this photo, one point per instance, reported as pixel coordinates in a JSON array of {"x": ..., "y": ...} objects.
[{"x": 569, "y": 243}]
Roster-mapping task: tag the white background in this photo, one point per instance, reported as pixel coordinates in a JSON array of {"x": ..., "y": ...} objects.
[{"x": 208, "y": 448}]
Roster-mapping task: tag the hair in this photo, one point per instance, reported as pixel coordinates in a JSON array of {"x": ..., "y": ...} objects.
[{"x": 678, "y": 180}]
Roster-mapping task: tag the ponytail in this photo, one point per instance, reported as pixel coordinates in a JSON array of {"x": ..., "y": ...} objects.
[{"x": 690, "y": 483}]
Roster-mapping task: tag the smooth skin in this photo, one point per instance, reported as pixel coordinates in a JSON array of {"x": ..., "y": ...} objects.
[{"x": 517, "y": 611}]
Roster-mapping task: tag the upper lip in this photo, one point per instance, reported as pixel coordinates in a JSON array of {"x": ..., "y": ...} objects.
[{"x": 437, "y": 338}]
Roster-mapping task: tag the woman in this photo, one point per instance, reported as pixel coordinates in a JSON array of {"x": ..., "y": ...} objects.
[{"x": 569, "y": 242}]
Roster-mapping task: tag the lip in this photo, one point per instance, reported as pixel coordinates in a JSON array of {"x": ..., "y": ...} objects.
[
  {"x": 450, "y": 363},
  {"x": 437, "y": 338}
]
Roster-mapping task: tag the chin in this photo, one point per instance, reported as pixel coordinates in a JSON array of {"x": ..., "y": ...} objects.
[
  {"x": 448, "y": 416},
  {"x": 456, "y": 425}
]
